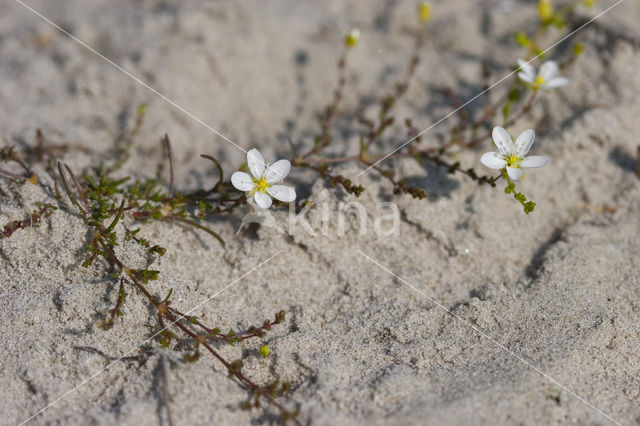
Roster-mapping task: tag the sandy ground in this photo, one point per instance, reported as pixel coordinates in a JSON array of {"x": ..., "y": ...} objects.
[{"x": 546, "y": 311}]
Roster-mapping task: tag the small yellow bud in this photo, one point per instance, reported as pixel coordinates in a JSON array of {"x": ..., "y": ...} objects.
[
  {"x": 589, "y": 3},
  {"x": 424, "y": 11},
  {"x": 264, "y": 350},
  {"x": 578, "y": 48},
  {"x": 352, "y": 37},
  {"x": 33, "y": 180},
  {"x": 545, "y": 10}
]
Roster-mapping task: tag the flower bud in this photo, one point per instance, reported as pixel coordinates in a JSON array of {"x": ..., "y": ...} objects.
[
  {"x": 352, "y": 37},
  {"x": 424, "y": 11},
  {"x": 264, "y": 350},
  {"x": 545, "y": 10}
]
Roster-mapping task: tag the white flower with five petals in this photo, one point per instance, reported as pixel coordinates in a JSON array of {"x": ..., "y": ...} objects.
[
  {"x": 546, "y": 78},
  {"x": 512, "y": 156},
  {"x": 261, "y": 184}
]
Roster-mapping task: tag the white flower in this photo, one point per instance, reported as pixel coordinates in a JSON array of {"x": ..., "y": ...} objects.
[
  {"x": 512, "y": 156},
  {"x": 545, "y": 79},
  {"x": 260, "y": 184}
]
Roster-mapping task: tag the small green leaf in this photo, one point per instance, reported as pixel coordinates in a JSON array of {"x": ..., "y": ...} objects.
[
  {"x": 514, "y": 94},
  {"x": 168, "y": 296},
  {"x": 147, "y": 275},
  {"x": 522, "y": 39},
  {"x": 505, "y": 112}
]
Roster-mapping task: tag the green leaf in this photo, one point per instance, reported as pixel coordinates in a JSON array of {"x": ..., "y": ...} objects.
[
  {"x": 515, "y": 94},
  {"x": 522, "y": 39},
  {"x": 147, "y": 275},
  {"x": 505, "y": 112}
]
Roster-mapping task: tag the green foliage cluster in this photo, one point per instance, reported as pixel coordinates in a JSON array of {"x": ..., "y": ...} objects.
[
  {"x": 104, "y": 201},
  {"x": 113, "y": 210},
  {"x": 528, "y": 206}
]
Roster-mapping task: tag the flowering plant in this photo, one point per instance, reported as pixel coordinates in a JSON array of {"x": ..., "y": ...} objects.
[{"x": 113, "y": 208}]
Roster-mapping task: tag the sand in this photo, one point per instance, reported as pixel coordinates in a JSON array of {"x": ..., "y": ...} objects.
[{"x": 483, "y": 316}]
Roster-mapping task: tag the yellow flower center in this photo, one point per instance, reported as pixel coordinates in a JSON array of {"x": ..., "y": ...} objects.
[
  {"x": 513, "y": 160},
  {"x": 261, "y": 185},
  {"x": 539, "y": 82}
]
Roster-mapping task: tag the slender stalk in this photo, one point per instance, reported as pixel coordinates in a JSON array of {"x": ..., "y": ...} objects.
[{"x": 167, "y": 146}]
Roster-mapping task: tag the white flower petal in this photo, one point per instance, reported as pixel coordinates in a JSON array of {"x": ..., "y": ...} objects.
[
  {"x": 282, "y": 193},
  {"x": 503, "y": 141},
  {"x": 524, "y": 142},
  {"x": 556, "y": 82},
  {"x": 526, "y": 77},
  {"x": 527, "y": 69},
  {"x": 514, "y": 173},
  {"x": 277, "y": 171},
  {"x": 534, "y": 161},
  {"x": 242, "y": 181},
  {"x": 493, "y": 160},
  {"x": 262, "y": 200},
  {"x": 548, "y": 70},
  {"x": 256, "y": 163}
]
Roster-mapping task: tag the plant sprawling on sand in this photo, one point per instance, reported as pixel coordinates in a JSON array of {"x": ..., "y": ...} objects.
[{"x": 114, "y": 209}]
